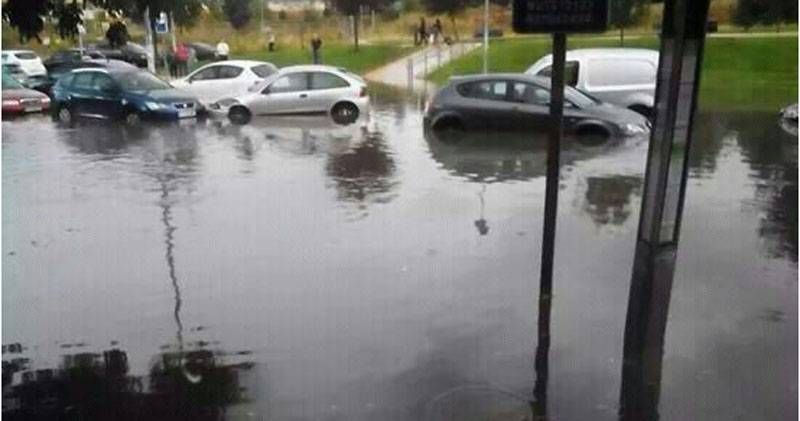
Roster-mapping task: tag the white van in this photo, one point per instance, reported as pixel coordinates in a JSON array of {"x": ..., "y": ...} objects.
[{"x": 620, "y": 76}]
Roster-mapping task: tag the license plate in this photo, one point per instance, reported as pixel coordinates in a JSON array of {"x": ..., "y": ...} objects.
[
  {"x": 33, "y": 109},
  {"x": 186, "y": 113}
]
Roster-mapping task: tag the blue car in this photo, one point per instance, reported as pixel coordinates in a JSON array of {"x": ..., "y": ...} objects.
[{"x": 125, "y": 94}]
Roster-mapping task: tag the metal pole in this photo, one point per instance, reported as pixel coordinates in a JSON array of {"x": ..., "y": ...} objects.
[
  {"x": 549, "y": 232},
  {"x": 151, "y": 53},
  {"x": 486, "y": 37},
  {"x": 410, "y": 68}
]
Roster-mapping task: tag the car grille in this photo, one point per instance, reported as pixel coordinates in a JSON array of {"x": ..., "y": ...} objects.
[{"x": 183, "y": 105}]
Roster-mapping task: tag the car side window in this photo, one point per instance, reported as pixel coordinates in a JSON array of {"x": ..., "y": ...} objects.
[
  {"x": 613, "y": 72},
  {"x": 83, "y": 80},
  {"x": 229, "y": 72},
  {"x": 527, "y": 93},
  {"x": 103, "y": 82},
  {"x": 571, "y": 69},
  {"x": 208, "y": 73},
  {"x": 262, "y": 70},
  {"x": 492, "y": 90},
  {"x": 290, "y": 83},
  {"x": 324, "y": 80}
]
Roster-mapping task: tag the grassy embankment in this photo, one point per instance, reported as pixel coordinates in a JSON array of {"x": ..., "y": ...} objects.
[{"x": 738, "y": 73}]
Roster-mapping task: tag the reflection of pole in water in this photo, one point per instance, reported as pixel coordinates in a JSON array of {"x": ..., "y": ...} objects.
[
  {"x": 539, "y": 404},
  {"x": 166, "y": 218},
  {"x": 481, "y": 224}
]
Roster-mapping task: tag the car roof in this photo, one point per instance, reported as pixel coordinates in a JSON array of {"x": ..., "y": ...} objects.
[
  {"x": 311, "y": 68},
  {"x": 583, "y": 53},
  {"x": 242, "y": 63},
  {"x": 19, "y": 51},
  {"x": 519, "y": 77}
]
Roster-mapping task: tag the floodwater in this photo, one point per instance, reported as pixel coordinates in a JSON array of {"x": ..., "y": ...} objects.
[{"x": 293, "y": 269}]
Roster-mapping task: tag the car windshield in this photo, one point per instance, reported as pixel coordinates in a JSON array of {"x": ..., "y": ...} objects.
[
  {"x": 579, "y": 98},
  {"x": 140, "y": 81},
  {"x": 25, "y": 55},
  {"x": 10, "y": 83}
]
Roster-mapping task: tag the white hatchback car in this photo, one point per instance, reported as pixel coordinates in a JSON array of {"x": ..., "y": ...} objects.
[
  {"x": 303, "y": 89},
  {"x": 621, "y": 76},
  {"x": 27, "y": 60},
  {"x": 224, "y": 79}
]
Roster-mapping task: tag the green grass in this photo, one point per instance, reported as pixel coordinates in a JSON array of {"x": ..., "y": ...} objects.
[
  {"x": 738, "y": 73},
  {"x": 367, "y": 58}
]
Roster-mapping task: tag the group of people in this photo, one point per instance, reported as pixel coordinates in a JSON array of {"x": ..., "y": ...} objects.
[
  {"x": 182, "y": 57},
  {"x": 422, "y": 36}
]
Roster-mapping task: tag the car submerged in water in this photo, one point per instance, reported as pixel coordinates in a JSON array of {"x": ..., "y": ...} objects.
[
  {"x": 306, "y": 89},
  {"x": 522, "y": 102},
  {"x": 120, "y": 94}
]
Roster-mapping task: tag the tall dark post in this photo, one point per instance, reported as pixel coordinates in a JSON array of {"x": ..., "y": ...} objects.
[
  {"x": 549, "y": 232},
  {"x": 682, "y": 39}
]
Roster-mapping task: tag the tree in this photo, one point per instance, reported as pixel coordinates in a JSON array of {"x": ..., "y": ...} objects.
[
  {"x": 27, "y": 17},
  {"x": 624, "y": 13},
  {"x": 752, "y": 12},
  {"x": 238, "y": 12},
  {"x": 117, "y": 34},
  {"x": 449, "y": 7}
]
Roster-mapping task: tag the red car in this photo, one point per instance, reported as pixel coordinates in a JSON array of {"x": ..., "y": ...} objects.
[{"x": 18, "y": 99}]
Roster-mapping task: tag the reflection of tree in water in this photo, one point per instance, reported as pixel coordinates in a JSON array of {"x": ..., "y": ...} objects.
[
  {"x": 608, "y": 198},
  {"x": 708, "y": 132},
  {"x": 98, "y": 386},
  {"x": 365, "y": 172},
  {"x": 772, "y": 156}
]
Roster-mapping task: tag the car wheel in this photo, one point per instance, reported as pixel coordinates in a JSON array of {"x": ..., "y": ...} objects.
[
  {"x": 133, "y": 119},
  {"x": 449, "y": 124},
  {"x": 344, "y": 113},
  {"x": 64, "y": 115},
  {"x": 239, "y": 115},
  {"x": 592, "y": 135}
]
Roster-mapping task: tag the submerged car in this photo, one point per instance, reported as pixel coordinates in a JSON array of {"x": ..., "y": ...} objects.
[
  {"x": 224, "y": 79},
  {"x": 18, "y": 99},
  {"x": 120, "y": 94},
  {"x": 522, "y": 102},
  {"x": 304, "y": 89},
  {"x": 620, "y": 76}
]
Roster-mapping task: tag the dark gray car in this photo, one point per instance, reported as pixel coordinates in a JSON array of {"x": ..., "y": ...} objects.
[{"x": 521, "y": 102}]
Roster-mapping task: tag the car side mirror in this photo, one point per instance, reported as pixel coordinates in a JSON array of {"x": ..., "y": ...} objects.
[{"x": 265, "y": 91}]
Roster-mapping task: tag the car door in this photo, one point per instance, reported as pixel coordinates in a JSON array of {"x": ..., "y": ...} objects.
[
  {"x": 106, "y": 101},
  {"x": 615, "y": 79},
  {"x": 81, "y": 94},
  {"x": 485, "y": 105},
  {"x": 531, "y": 107},
  {"x": 201, "y": 82},
  {"x": 230, "y": 82},
  {"x": 326, "y": 89},
  {"x": 286, "y": 95}
]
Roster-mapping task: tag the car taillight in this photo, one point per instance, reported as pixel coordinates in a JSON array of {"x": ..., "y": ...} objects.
[
  {"x": 363, "y": 92},
  {"x": 11, "y": 103},
  {"x": 45, "y": 100}
]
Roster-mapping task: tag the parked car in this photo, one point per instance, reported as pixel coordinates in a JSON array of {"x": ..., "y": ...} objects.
[
  {"x": 202, "y": 50},
  {"x": 18, "y": 99},
  {"x": 28, "y": 61},
  {"x": 222, "y": 79},
  {"x": 130, "y": 95},
  {"x": 621, "y": 76},
  {"x": 63, "y": 58},
  {"x": 301, "y": 90},
  {"x": 517, "y": 102},
  {"x": 131, "y": 52}
]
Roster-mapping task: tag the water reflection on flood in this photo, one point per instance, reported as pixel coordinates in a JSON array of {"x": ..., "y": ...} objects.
[{"x": 376, "y": 271}]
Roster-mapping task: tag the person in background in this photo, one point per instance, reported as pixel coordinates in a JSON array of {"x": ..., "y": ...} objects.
[
  {"x": 222, "y": 50},
  {"x": 437, "y": 30},
  {"x": 271, "y": 41},
  {"x": 181, "y": 59},
  {"x": 316, "y": 45},
  {"x": 423, "y": 31}
]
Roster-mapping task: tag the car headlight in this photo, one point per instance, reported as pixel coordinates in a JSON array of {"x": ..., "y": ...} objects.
[
  {"x": 633, "y": 129},
  {"x": 155, "y": 106}
]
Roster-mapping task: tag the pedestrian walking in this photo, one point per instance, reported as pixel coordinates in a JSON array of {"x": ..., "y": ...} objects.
[
  {"x": 423, "y": 31},
  {"x": 222, "y": 50},
  {"x": 437, "y": 30},
  {"x": 271, "y": 41},
  {"x": 316, "y": 45}
]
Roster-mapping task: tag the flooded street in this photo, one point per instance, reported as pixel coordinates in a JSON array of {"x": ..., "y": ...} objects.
[{"x": 308, "y": 271}]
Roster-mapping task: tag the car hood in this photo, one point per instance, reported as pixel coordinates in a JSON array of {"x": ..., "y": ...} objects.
[
  {"x": 22, "y": 93},
  {"x": 165, "y": 95}
]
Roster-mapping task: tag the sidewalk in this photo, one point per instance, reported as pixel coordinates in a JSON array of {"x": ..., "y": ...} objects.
[{"x": 412, "y": 69}]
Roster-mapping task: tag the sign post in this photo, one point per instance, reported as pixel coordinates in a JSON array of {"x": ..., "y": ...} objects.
[{"x": 557, "y": 17}]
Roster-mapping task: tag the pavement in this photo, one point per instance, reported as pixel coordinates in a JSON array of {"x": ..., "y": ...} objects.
[{"x": 410, "y": 71}]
